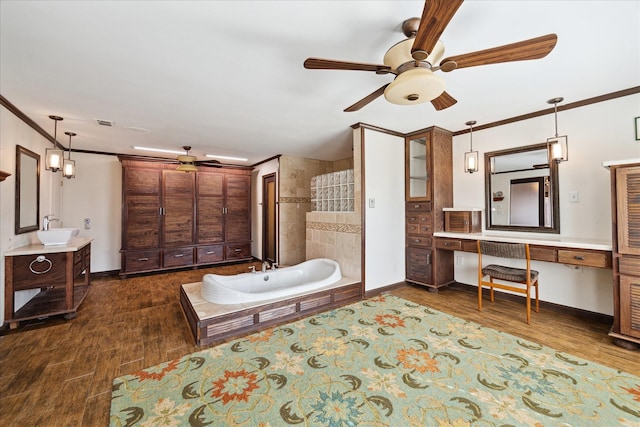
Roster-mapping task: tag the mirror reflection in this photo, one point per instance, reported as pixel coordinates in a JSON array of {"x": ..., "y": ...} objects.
[
  {"x": 521, "y": 189},
  {"x": 27, "y": 208}
]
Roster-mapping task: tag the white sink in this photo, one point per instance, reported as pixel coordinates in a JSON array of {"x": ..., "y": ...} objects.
[{"x": 57, "y": 236}]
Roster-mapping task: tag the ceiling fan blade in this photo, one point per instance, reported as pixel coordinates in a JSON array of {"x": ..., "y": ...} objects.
[
  {"x": 330, "y": 64},
  {"x": 443, "y": 101},
  {"x": 367, "y": 99},
  {"x": 435, "y": 18},
  {"x": 535, "y": 48}
]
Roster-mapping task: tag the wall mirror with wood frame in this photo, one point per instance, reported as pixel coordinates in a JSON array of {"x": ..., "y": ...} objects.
[
  {"x": 521, "y": 190},
  {"x": 27, "y": 203}
]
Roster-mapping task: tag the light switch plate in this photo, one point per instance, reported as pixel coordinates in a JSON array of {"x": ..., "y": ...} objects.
[{"x": 574, "y": 197}]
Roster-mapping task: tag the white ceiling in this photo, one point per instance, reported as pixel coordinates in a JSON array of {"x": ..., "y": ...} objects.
[{"x": 226, "y": 77}]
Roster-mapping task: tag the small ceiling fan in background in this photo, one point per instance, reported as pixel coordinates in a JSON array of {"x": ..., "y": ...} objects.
[{"x": 413, "y": 61}]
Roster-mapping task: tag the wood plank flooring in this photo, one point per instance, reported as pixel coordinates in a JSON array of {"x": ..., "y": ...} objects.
[{"x": 59, "y": 373}]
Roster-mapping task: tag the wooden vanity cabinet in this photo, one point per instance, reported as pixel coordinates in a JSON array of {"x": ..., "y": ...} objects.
[
  {"x": 62, "y": 275},
  {"x": 625, "y": 210},
  {"x": 428, "y": 189},
  {"x": 174, "y": 219},
  {"x": 458, "y": 221}
]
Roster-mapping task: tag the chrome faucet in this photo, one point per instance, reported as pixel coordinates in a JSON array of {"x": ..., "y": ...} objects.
[
  {"x": 47, "y": 220},
  {"x": 264, "y": 266},
  {"x": 274, "y": 265},
  {"x": 252, "y": 268}
]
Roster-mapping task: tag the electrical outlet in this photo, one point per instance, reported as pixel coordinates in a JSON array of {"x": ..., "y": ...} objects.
[
  {"x": 459, "y": 260},
  {"x": 87, "y": 223},
  {"x": 372, "y": 202}
]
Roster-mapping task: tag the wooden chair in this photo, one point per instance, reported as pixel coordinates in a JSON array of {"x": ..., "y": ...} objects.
[{"x": 522, "y": 276}]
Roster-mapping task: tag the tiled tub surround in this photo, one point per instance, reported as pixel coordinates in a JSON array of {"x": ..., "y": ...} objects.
[
  {"x": 211, "y": 323},
  {"x": 336, "y": 236}
]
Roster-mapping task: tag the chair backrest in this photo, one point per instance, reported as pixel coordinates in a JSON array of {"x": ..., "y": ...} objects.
[{"x": 503, "y": 250}]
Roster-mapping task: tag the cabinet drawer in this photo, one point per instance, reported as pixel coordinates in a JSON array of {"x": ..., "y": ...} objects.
[
  {"x": 629, "y": 265},
  {"x": 213, "y": 253},
  {"x": 418, "y": 265},
  {"x": 418, "y": 207},
  {"x": 419, "y": 241},
  {"x": 141, "y": 261},
  {"x": 462, "y": 221},
  {"x": 584, "y": 258},
  {"x": 416, "y": 226},
  {"x": 178, "y": 257},
  {"x": 449, "y": 244},
  {"x": 238, "y": 251}
]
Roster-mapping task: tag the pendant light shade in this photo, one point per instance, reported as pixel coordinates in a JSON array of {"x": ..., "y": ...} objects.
[
  {"x": 68, "y": 165},
  {"x": 558, "y": 145},
  {"x": 187, "y": 162},
  {"x": 54, "y": 157},
  {"x": 471, "y": 157}
]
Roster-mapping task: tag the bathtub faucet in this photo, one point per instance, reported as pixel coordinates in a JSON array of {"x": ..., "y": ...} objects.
[
  {"x": 252, "y": 268},
  {"x": 274, "y": 265},
  {"x": 264, "y": 266}
]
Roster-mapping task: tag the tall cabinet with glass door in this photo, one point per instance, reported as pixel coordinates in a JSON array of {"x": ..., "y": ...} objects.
[{"x": 428, "y": 189}]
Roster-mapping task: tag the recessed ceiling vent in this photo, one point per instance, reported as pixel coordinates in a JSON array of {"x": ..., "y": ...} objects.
[{"x": 107, "y": 123}]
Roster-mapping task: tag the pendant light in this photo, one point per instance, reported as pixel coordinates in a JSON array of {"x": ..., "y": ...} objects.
[
  {"x": 557, "y": 146},
  {"x": 471, "y": 157},
  {"x": 68, "y": 165},
  {"x": 54, "y": 156},
  {"x": 187, "y": 162}
]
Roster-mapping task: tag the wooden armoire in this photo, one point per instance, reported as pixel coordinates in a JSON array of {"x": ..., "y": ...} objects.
[
  {"x": 173, "y": 219},
  {"x": 625, "y": 212}
]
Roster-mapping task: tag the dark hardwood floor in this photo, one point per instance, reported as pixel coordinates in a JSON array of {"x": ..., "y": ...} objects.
[{"x": 59, "y": 373}]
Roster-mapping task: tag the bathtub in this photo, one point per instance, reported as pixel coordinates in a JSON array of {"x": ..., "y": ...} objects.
[{"x": 280, "y": 283}]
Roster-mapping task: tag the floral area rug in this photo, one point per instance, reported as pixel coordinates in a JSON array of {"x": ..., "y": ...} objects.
[{"x": 380, "y": 362}]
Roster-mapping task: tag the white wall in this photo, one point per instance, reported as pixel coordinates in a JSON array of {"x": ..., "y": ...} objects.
[
  {"x": 597, "y": 133},
  {"x": 384, "y": 224},
  {"x": 267, "y": 168},
  {"x": 96, "y": 193}
]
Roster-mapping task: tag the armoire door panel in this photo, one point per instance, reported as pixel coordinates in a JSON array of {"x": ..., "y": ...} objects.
[
  {"x": 210, "y": 219},
  {"x": 142, "y": 222},
  {"x": 178, "y": 195}
]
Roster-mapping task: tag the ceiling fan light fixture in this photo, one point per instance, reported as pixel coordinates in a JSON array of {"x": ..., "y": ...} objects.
[
  {"x": 414, "y": 87},
  {"x": 187, "y": 161},
  {"x": 400, "y": 53}
]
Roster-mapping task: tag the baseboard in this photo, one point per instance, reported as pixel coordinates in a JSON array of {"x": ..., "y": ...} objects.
[
  {"x": 377, "y": 291},
  {"x": 585, "y": 314}
]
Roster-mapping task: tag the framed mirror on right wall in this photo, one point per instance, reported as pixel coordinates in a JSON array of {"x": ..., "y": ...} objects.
[{"x": 521, "y": 190}]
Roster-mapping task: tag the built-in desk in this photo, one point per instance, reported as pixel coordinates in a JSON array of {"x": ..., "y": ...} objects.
[
  {"x": 559, "y": 249},
  {"x": 51, "y": 269}
]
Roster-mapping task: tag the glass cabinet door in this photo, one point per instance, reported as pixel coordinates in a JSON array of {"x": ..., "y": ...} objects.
[{"x": 416, "y": 169}]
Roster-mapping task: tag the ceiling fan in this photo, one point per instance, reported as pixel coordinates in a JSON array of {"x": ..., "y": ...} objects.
[{"x": 413, "y": 61}]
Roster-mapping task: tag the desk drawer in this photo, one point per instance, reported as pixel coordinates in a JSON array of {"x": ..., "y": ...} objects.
[
  {"x": 448, "y": 244},
  {"x": 542, "y": 254},
  {"x": 584, "y": 258}
]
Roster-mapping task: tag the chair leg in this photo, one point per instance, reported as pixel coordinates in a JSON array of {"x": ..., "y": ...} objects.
[
  {"x": 492, "y": 295},
  {"x": 537, "y": 299},
  {"x": 528, "y": 304},
  {"x": 480, "y": 295}
]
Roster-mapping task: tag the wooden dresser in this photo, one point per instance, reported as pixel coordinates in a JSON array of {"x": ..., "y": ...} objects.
[
  {"x": 625, "y": 216},
  {"x": 173, "y": 219}
]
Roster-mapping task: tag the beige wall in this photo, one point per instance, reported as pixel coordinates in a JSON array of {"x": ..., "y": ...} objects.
[
  {"x": 295, "y": 202},
  {"x": 339, "y": 235}
]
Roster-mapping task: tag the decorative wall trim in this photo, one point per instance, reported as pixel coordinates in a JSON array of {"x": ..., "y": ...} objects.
[
  {"x": 332, "y": 226},
  {"x": 294, "y": 200}
]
